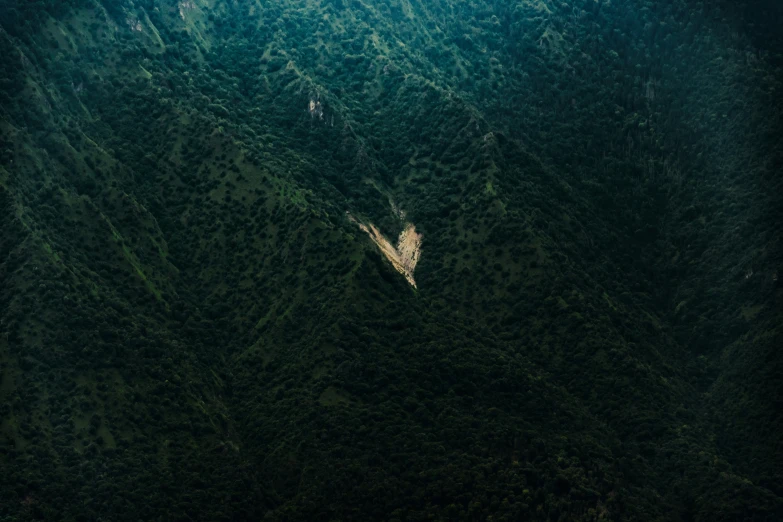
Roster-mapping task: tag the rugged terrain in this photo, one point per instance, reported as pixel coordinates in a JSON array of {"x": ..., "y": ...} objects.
[{"x": 193, "y": 325}]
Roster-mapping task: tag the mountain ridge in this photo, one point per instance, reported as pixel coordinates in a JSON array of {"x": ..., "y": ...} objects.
[{"x": 195, "y": 329}]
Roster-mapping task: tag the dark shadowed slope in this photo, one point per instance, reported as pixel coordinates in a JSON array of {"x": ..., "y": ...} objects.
[{"x": 194, "y": 327}]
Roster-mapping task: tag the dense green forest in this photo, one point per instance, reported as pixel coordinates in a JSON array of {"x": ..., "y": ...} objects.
[{"x": 195, "y": 325}]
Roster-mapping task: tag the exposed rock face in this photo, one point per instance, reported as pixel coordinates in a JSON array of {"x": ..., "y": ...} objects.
[
  {"x": 316, "y": 109},
  {"x": 185, "y": 6},
  {"x": 405, "y": 255},
  {"x": 409, "y": 248}
]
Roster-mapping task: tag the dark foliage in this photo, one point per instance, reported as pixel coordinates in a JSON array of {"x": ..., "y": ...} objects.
[{"x": 192, "y": 327}]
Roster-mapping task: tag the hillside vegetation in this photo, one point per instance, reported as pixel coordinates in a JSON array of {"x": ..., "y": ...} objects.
[{"x": 193, "y": 325}]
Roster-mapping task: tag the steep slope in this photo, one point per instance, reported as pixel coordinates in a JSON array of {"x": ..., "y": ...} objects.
[{"x": 193, "y": 327}]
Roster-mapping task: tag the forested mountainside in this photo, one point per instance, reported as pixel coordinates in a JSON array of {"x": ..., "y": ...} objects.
[{"x": 212, "y": 213}]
